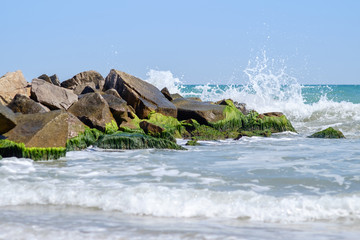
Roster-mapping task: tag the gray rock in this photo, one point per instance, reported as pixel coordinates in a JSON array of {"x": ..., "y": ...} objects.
[
  {"x": 202, "y": 112},
  {"x": 55, "y": 80},
  {"x": 142, "y": 96},
  {"x": 83, "y": 79},
  {"x": 7, "y": 119},
  {"x": 51, "y": 129},
  {"x": 52, "y": 96},
  {"x": 23, "y": 104},
  {"x": 92, "y": 110}
]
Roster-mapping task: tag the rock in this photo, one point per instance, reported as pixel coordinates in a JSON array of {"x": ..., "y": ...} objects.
[
  {"x": 271, "y": 114},
  {"x": 93, "y": 110},
  {"x": 175, "y": 96},
  {"x": 113, "y": 92},
  {"x": 166, "y": 93},
  {"x": 87, "y": 89},
  {"x": 150, "y": 128},
  {"x": 55, "y": 80},
  {"x": 239, "y": 106},
  {"x": 118, "y": 108},
  {"x": 45, "y": 130},
  {"x": 46, "y": 78},
  {"x": 328, "y": 133},
  {"x": 23, "y": 104},
  {"x": 83, "y": 79},
  {"x": 11, "y": 84},
  {"x": 7, "y": 119},
  {"x": 52, "y": 96},
  {"x": 142, "y": 96},
  {"x": 202, "y": 112},
  {"x": 124, "y": 140},
  {"x": 195, "y": 99}
]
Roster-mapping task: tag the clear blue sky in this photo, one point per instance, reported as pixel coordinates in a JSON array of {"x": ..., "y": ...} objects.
[{"x": 201, "y": 41}]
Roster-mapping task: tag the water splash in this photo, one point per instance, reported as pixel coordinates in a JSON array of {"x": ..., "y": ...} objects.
[{"x": 162, "y": 79}]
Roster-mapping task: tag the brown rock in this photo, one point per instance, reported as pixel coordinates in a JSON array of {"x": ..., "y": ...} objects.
[
  {"x": 166, "y": 93},
  {"x": 113, "y": 92},
  {"x": 83, "y": 79},
  {"x": 202, "y": 112},
  {"x": 23, "y": 104},
  {"x": 55, "y": 80},
  {"x": 7, "y": 119},
  {"x": 51, "y": 129},
  {"x": 175, "y": 96},
  {"x": 46, "y": 78},
  {"x": 52, "y": 96},
  {"x": 142, "y": 96},
  {"x": 118, "y": 108},
  {"x": 93, "y": 110},
  {"x": 150, "y": 128},
  {"x": 11, "y": 84}
]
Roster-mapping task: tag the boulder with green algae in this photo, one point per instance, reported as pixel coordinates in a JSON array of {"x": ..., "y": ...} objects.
[
  {"x": 124, "y": 140},
  {"x": 328, "y": 133},
  {"x": 84, "y": 140},
  {"x": 235, "y": 120},
  {"x": 12, "y": 149}
]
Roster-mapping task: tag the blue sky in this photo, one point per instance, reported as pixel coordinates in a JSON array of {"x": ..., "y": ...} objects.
[{"x": 198, "y": 41}]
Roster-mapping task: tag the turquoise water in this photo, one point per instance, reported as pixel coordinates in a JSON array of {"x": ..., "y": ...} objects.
[{"x": 287, "y": 186}]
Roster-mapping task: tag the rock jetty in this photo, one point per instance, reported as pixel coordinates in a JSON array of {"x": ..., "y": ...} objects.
[{"x": 45, "y": 119}]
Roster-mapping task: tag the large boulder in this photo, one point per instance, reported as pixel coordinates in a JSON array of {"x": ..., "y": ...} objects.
[
  {"x": 78, "y": 82},
  {"x": 11, "y": 84},
  {"x": 52, "y": 79},
  {"x": 118, "y": 107},
  {"x": 142, "y": 96},
  {"x": 7, "y": 119},
  {"x": 23, "y": 104},
  {"x": 45, "y": 130},
  {"x": 202, "y": 112},
  {"x": 93, "y": 110},
  {"x": 52, "y": 96}
]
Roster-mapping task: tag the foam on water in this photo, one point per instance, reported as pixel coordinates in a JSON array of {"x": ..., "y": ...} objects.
[{"x": 160, "y": 201}]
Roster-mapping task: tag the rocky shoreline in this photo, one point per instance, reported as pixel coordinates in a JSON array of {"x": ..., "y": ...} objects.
[{"x": 45, "y": 118}]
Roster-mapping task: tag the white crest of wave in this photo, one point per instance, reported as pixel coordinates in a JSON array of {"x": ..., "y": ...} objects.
[
  {"x": 161, "y": 79},
  {"x": 146, "y": 199}
]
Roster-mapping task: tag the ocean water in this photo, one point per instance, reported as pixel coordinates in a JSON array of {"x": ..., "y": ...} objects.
[{"x": 287, "y": 186}]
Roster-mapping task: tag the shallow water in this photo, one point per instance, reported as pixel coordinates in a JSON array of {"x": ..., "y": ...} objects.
[{"x": 287, "y": 185}]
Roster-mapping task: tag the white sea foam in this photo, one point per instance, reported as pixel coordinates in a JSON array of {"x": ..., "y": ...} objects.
[
  {"x": 162, "y": 79},
  {"x": 147, "y": 199}
]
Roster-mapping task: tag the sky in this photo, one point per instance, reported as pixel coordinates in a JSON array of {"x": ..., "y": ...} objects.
[{"x": 199, "y": 41}]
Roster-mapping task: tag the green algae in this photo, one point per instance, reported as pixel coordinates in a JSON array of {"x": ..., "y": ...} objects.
[
  {"x": 111, "y": 127},
  {"x": 328, "y": 133},
  {"x": 170, "y": 124},
  {"x": 83, "y": 140},
  {"x": 193, "y": 142},
  {"x": 235, "y": 120},
  {"x": 124, "y": 140},
  {"x": 12, "y": 149}
]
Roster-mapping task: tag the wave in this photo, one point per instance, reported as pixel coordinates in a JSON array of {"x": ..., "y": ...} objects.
[
  {"x": 270, "y": 89},
  {"x": 146, "y": 199}
]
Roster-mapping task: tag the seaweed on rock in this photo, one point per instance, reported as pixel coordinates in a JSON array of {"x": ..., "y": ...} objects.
[
  {"x": 12, "y": 149},
  {"x": 124, "y": 140},
  {"x": 328, "y": 133},
  {"x": 83, "y": 140},
  {"x": 235, "y": 120}
]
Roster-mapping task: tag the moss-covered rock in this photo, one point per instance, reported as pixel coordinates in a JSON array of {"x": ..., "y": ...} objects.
[
  {"x": 193, "y": 142},
  {"x": 124, "y": 140},
  {"x": 11, "y": 149},
  {"x": 84, "y": 140},
  {"x": 235, "y": 120},
  {"x": 328, "y": 133}
]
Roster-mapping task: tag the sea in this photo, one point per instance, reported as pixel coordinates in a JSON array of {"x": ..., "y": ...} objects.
[{"x": 286, "y": 186}]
